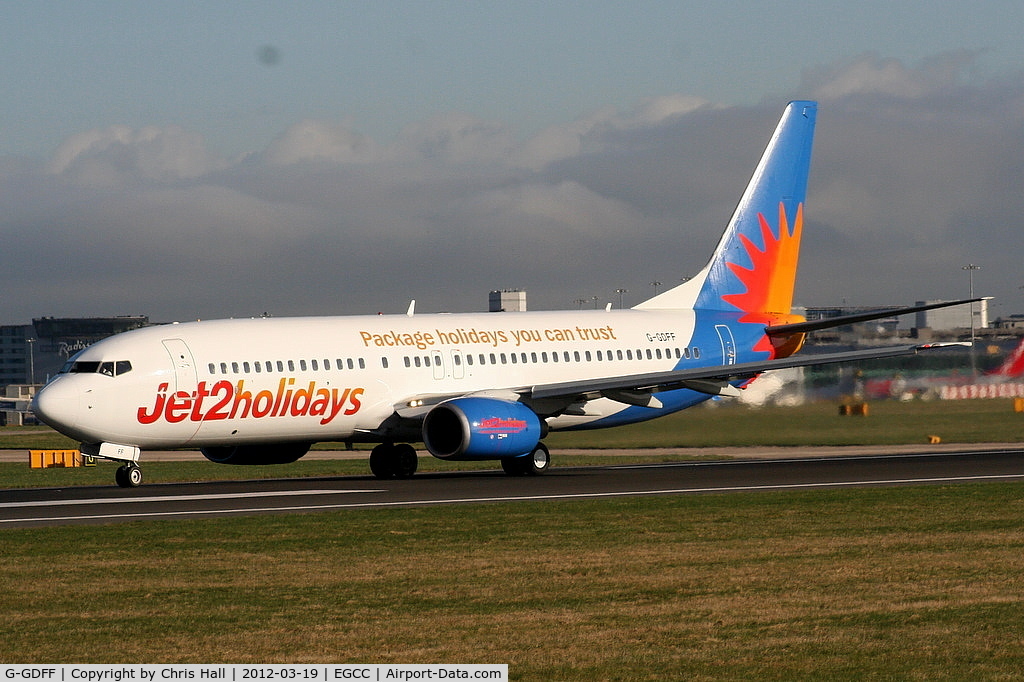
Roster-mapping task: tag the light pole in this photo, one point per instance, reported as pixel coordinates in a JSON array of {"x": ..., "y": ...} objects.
[
  {"x": 31, "y": 360},
  {"x": 970, "y": 268},
  {"x": 620, "y": 292},
  {"x": 655, "y": 284}
]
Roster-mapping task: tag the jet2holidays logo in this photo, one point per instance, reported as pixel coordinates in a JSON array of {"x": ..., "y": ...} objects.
[{"x": 225, "y": 400}]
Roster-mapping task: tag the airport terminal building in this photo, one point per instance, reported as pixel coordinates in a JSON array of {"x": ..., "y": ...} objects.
[{"x": 31, "y": 353}]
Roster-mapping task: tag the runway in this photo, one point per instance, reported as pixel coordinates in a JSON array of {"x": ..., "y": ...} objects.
[{"x": 97, "y": 505}]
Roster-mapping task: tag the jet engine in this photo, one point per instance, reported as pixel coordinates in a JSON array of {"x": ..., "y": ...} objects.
[
  {"x": 481, "y": 428},
  {"x": 269, "y": 453}
]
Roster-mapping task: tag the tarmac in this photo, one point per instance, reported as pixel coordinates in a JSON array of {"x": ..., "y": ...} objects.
[{"x": 18, "y": 455}]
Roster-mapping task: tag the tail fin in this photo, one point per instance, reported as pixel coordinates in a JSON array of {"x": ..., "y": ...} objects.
[
  {"x": 753, "y": 268},
  {"x": 1013, "y": 366}
]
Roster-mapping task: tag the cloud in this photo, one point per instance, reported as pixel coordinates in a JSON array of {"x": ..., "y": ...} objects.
[
  {"x": 456, "y": 138},
  {"x": 591, "y": 132},
  {"x": 917, "y": 171},
  {"x": 120, "y": 154},
  {"x": 870, "y": 74},
  {"x": 312, "y": 140}
]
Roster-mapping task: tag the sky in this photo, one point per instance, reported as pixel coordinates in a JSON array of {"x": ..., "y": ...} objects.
[{"x": 190, "y": 160}]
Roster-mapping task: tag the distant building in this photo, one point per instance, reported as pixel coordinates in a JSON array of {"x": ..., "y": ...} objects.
[
  {"x": 31, "y": 353},
  {"x": 13, "y": 405},
  {"x": 956, "y": 317},
  {"x": 507, "y": 300},
  {"x": 15, "y": 356},
  {"x": 1011, "y": 323}
]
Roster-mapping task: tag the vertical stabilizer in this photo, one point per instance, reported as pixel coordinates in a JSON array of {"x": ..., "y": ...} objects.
[
  {"x": 1013, "y": 366},
  {"x": 753, "y": 269}
]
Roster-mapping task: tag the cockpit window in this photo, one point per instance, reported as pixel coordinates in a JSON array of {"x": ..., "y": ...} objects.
[
  {"x": 110, "y": 369},
  {"x": 84, "y": 367}
]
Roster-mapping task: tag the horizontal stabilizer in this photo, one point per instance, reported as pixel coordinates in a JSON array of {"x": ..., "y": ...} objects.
[{"x": 833, "y": 322}]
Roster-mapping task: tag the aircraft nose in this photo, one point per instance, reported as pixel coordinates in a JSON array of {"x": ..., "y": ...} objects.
[{"x": 56, "y": 406}]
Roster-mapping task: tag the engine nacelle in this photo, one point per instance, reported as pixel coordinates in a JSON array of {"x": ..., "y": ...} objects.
[
  {"x": 270, "y": 453},
  {"x": 481, "y": 428}
]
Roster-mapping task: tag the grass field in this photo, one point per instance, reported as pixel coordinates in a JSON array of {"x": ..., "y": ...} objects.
[{"x": 902, "y": 583}]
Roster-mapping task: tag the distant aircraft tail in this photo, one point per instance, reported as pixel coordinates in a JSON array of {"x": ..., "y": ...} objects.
[
  {"x": 1013, "y": 366},
  {"x": 753, "y": 269}
]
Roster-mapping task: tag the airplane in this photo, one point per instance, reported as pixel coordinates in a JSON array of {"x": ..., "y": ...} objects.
[
  {"x": 1002, "y": 382},
  {"x": 471, "y": 386}
]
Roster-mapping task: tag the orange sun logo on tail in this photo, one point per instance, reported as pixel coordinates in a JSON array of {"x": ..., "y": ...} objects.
[{"x": 770, "y": 280}]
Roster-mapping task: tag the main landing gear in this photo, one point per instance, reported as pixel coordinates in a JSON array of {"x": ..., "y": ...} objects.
[
  {"x": 128, "y": 475},
  {"x": 533, "y": 464},
  {"x": 388, "y": 460}
]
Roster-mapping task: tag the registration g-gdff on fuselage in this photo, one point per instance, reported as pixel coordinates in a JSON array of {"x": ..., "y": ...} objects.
[{"x": 469, "y": 386}]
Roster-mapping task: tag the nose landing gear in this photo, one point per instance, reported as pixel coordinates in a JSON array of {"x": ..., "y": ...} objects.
[{"x": 128, "y": 475}]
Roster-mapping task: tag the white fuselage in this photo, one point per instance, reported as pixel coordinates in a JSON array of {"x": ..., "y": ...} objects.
[{"x": 342, "y": 378}]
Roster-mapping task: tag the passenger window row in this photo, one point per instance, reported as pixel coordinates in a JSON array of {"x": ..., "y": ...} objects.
[
  {"x": 544, "y": 357},
  {"x": 280, "y": 366},
  {"x": 119, "y": 367}
]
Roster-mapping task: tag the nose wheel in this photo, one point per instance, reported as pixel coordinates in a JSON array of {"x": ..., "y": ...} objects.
[{"x": 128, "y": 476}]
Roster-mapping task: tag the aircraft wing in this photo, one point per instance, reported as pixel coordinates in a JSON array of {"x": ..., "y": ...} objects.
[{"x": 637, "y": 388}]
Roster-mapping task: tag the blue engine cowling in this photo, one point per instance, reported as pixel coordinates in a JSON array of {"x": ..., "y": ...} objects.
[{"x": 481, "y": 428}]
